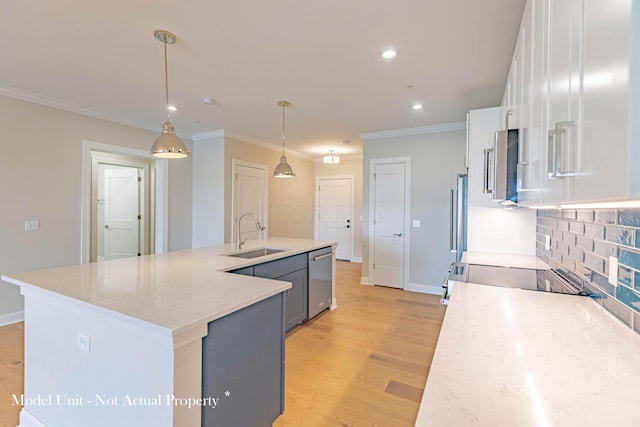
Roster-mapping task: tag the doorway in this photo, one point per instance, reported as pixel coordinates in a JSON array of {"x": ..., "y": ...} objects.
[
  {"x": 389, "y": 208},
  {"x": 335, "y": 213},
  {"x": 249, "y": 193},
  {"x": 124, "y": 176}
]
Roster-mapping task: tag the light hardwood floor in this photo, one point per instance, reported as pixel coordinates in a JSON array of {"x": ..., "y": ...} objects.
[{"x": 363, "y": 364}]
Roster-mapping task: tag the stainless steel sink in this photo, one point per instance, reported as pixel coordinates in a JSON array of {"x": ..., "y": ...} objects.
[{"x": 255, "y": 253}]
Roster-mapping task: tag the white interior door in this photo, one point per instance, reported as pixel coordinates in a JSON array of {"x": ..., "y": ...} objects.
[
  {"x": 121, "y": 213},
  {"x": 389, "y": 225},
  {"x": 335, "y": 214},
  {"x": 250, "y": 195}
]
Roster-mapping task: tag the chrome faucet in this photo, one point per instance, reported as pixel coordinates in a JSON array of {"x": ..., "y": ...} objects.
[{"x": 259, "y": 227}]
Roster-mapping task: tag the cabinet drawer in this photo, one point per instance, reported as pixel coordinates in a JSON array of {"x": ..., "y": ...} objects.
[{"x": 280, "y": 267}]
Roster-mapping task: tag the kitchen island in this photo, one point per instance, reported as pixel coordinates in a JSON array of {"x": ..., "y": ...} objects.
[
  {"x": 523, "y": 358},
  {"x": 121, "y": 342}
]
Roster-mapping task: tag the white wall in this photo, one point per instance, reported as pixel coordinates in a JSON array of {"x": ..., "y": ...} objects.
[
  {"x": 40, "y": 171},
  {"x": 208, "y": 192},
  {"x": 436, "y": 158}
]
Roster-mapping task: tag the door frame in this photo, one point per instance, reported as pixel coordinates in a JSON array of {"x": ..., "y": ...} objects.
[
  {"x": 158, "y": 199},
  {"x": 234, "y": 170},
  {"x": 407, "y": 216},
  {"x": 316, "y": 215}
]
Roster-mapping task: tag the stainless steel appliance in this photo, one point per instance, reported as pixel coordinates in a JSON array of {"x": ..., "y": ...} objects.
[
  {"x": 505, "y": 165},
  {"x": 458, "y": 217},
  {"x": 320, "y": 279}
]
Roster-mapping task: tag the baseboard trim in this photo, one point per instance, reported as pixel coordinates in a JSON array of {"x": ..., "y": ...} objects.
[
  {"x": 29, "y": 420},
  {"x": 357, "y": 259},
  {"x": 10, "y": 318},
  {"x": 424, "y": 289},
  {"x": 364, "y": 281}
]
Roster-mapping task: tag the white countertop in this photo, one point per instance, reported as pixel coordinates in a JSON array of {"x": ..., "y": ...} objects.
[
  {"x": 173, "y": 291},
  {"x": 523, "y": 358}
]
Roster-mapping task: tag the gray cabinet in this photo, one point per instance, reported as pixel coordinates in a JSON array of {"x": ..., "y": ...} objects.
[
  {"x": 291, "y": 269},
  {"x": 243, "y": 354},
  {"x": 296, "y": 298},
  {"x": 247, "y": 271}
]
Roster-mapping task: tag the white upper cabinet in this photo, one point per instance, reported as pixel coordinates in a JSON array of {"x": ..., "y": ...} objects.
[
  {"x": 578, "y": 63},
  {"x": 607, "y": 168},
  {"x": 482, "y": 125}
]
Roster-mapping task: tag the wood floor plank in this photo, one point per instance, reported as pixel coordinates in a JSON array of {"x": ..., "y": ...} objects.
[{"x": 404, "y": 390}]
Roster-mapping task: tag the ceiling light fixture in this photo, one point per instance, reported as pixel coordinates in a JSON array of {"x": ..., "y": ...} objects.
[
  {"x": 283, "y": 170},
  {"x": 168, "y": 145},
  {"x": 417, "y": 106},
  {"x": 389, "y": 54},
  {"x": 331, "y": 158}
]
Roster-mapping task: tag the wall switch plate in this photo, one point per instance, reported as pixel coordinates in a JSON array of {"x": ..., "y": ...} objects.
[
  {"x": 613, "y": 271},
  {"x": 84, "y": 342},
  {"x": 547, "y": 242},
  {"x": 31, "y": 225},
  {"x": 416, "y": 223}
]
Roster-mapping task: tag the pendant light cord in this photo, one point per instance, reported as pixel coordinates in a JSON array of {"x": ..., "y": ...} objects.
[
  {"x": 283, "y": 107},
  {"x": 166, "y": 79}
]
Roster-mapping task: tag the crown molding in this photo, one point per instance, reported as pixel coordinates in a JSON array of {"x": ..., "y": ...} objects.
[
  {"x": 207, "y": 135},
  {"x": 420, "y": 130},
  {"x": 25, "y": 95}
]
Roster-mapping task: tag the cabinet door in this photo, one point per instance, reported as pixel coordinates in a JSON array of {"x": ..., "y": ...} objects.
[
  {"x": 528, "y": 182},
  {"x": 296, "y": 298},
  {"x": 243, "y": 353},
  {"x": 604, "y": 167},
  {"x": 564, "y": 88},
  {"x": 537, "y": 137}
]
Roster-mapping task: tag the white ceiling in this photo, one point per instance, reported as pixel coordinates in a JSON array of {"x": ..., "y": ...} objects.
[{"x": 321, "y": 55}]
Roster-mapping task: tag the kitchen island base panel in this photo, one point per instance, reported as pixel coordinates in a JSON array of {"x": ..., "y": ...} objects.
[{"x": 243, "y": 366}]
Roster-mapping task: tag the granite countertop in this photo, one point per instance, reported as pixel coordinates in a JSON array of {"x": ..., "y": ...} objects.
[
  {"x": 169, "y": 292},
  {"x": 523, "y": 358}
]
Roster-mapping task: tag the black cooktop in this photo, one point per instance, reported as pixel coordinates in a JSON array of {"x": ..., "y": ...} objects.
[{"x": 522, "y": 278}]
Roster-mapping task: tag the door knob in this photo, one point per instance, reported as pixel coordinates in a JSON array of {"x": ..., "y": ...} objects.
[
  {"x": 347, "y": 226},
  {"x": 398, "y": 234},
  {"x": 106, "y": 226}
]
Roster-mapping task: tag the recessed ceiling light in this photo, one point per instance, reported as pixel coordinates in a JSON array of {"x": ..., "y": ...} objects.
[
  {"x": 417, "y": 106},
  {"x": 171, "y": 107},
  {"x": 389, "y": 53},
  {"x": 207, "y": 100}
]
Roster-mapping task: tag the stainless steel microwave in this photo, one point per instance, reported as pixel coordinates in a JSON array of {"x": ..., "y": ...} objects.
[{"x": 501, "y": 167}]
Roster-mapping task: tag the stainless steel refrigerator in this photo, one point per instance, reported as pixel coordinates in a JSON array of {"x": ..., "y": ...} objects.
[{"x": 458, "y": 217}]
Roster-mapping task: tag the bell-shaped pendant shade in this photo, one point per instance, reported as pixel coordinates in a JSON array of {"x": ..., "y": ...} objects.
[
  {"x": 283, "y": 170},
  {"x": 168, "y": 145}
]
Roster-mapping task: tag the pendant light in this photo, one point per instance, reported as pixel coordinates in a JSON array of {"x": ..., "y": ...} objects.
[
  {"x": 331, "y": 158},
  {"x": 283, "y": 170},
  {"x": 168, "y": 145}
]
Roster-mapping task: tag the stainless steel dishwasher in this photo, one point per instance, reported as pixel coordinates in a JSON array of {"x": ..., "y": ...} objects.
[{"x": 320, "y": 280}]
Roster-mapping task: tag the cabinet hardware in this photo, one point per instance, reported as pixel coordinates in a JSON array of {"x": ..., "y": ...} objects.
[{"x": 487, "y": 171}]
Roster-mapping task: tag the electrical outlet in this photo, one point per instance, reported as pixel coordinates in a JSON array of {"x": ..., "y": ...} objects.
[
  {"x": 613, "y": 271},
  {"x": 31, "y": 225},
  {"x": 84, "y": 342},
  {"x": 547, "y": 242},
  {"x": 416, "y": 223}
]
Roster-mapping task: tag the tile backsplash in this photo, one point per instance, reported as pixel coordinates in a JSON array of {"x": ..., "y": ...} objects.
[{"x": 582, "y": 241}]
